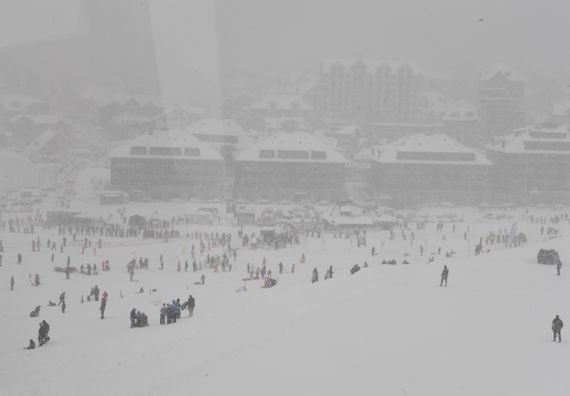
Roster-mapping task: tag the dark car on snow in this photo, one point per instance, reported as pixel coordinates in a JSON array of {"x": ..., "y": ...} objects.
[{"x": 547, "y": 256}]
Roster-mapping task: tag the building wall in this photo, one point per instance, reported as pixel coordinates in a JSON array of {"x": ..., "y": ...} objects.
[
  {"x": 501, "y": 105},
  {"x": 285, "y": 180},
  {"x": 359, "y": 94},
  {"x": 417, "y": 183},
  {"x": 528, "y": 177},
  {"x": 164, "y": 178}
]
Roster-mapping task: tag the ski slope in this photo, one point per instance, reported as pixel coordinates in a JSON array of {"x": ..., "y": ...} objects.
[{"x": 387, "y": 330}]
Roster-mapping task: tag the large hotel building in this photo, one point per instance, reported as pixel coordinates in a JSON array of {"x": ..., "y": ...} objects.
[{"x": 368, "y": 91}]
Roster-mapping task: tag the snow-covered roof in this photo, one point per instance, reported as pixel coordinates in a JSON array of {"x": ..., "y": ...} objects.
[
  {"x": 39, "y": 142},
  {"x": 279, "y": 123},
  {"x": 535, "y": 139},
  {"x": 190, "y": 110},
  {"x": 16, "y": 102},
  {"x": 291, "y": 147},
  {"x": 176, "y": 144},
  {"x": 225, "y": 127},
  {"x": 371, "y": 65},
  {"x": 282, "y": 101},
  {"x": 104, "y": 97},
  {"x": 501, "y": 68},
  {"x": 45, "y": 119},
  {"x": 343, "y": 130},
  {"x": 436, "y": 148},
  {"x": 132, "y": 118},
  {"x": 460, "y": 111}
]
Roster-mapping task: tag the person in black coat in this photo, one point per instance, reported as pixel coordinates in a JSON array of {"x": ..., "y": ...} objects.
[
  {"x": 557, "y": 325},
  {"x": 191, "y": 305},
  {"x": 102, "y": 307},
  {"x": 444, "y": 275},
  {"x": 43, "y": 333}
]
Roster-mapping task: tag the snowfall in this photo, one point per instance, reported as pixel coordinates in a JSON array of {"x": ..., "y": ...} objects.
[{"x": 386, "y": 330}]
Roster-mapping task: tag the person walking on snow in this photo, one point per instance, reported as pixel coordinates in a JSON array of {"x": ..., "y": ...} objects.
[
  {"x": 191, "y": 305},
  {"x": 103, "y": 305},
  {"x": 558, "y": 267},
  {"x": 557, "y": 328},
  {"x": 12, "y": 282},
  {"x": 315, "y": 275},
  {"x": 444, "y": 274}
]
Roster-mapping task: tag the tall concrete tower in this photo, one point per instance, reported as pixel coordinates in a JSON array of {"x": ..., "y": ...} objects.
[{"x": 120, "y": 46}]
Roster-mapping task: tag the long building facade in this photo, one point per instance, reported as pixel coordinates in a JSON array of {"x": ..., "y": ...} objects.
[
  {"x": 532, "y": 164},
  {"x": 289, "y": 166},
  {"x": 168, "y": 164},
  {"x": 430, "y": 168}
]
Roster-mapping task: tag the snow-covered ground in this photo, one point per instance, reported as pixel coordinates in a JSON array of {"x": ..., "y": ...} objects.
[{"x": 387, "y": 330}]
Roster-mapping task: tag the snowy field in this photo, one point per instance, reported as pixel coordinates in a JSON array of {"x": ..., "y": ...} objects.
[{"x": 387, "y": 330}]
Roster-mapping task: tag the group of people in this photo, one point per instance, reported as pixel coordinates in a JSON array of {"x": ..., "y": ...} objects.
[
  {"x": 138, "y": 319},
  {"x": 169, "y": 313}
]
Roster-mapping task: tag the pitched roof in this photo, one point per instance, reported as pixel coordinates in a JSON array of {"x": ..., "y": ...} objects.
[
  {"x": 369, "y": 64},
  {"x": 436, "y": 148},
  {"x": 169, "y": 138},
  {"x": 296, "y": 142},
  {"x": 545, "y": 138},
  {"x": 501, "y": 68},
  {"x": 45, "y": 119},
  {"x": 282, "y": 101}
]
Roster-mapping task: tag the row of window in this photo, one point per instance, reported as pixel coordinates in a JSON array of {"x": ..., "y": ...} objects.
[
  {"x": 293, "y": 154},
  {"x": 435, "y": 156},
  {"x": 165, "y": 151},
  {"x": 550, "y": 146}
]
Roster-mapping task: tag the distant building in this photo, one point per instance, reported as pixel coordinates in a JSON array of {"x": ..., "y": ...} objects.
[
  {"x": 289, "y": 166},
  {"x": 178, "y": 117},
  {"x": 464, "y": 125},
  {"x": 28, "y": 127},
  {"x": 397, "y": 130},
  {"x": 369, "y": 91},
  {"x": 501, "y": 100},
  {"x": 282, "y": 111},
  {"x": 224, "y": 135},
  {"x": 532, "y": 164},
  {"x": 430, "y": 168},
  {"x": 347, "y": 137},
  {"x": 14, "y": 104},
  {"x": 49, "y": 146},
  {"x": 167, "y": 164}
]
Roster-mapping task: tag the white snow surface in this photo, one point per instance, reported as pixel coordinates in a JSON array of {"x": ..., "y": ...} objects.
[{"x": 387, "y": 330}]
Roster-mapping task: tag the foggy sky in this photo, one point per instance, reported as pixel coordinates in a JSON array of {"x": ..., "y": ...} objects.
[{"x": 203, "y": 36}]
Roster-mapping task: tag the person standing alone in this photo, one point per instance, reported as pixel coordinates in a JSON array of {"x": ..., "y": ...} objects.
[
  {"x": 557, "y": 328},
  {"x": 444, "y": 275}
]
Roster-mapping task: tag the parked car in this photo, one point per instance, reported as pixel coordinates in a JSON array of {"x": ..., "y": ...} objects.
[{"x": 547, "y": 256}]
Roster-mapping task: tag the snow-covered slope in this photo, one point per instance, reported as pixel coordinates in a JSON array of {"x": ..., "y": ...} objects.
[{"x": 387, "y": 330}]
